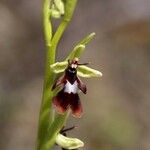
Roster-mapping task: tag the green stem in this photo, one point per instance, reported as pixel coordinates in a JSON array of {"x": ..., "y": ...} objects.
[
  {"x": 45, "y": 112},
  {"x": 54, "y": 130},
  {"x": 69, "y": 9},
  {"x": 47, "y": 130},
  {"x": 59, "y": 120}
]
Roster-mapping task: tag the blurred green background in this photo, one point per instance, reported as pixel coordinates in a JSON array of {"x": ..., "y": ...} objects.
[{"x": 116, "y": 107}]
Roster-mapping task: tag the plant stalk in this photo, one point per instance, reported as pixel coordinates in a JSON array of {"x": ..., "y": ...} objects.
[
  {"x": 45, "y": 115},
  {"x": 47, "y": 128}
]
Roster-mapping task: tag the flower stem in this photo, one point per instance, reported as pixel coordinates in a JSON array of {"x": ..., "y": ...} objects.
[
  {"x": 45, "y": 115},
  {"x": 47, "y": 128},
  {"x": 59, "y": 120},
  {"x": 69, "y": 9},
  {"x": 54, "y": 130}
]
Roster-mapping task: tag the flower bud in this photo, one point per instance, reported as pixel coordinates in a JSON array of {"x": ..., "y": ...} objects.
[
  {"x": 68, "y": 143},
  {"x": 57, "y": 9}
]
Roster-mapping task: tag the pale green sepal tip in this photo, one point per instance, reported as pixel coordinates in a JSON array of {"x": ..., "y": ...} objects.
[
  {"x": 68, "y": 143},
  {"x": 86, "y": 72},
  {"x": 88, "y": 38}
]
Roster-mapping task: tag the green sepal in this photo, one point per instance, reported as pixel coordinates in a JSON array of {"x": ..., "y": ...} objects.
[
  {"x": 59, "y": 67},
  {"x": 80, "y": 47},
  {"x": 87, "y": 39},
  {"x": 83, "y": 71},
  {"x": 86, "y": 72},
  {"x": 68, "y": 143},
  {"x": 76, "y": 52}
]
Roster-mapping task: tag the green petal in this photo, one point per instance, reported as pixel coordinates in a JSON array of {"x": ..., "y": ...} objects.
[
  {"x": 87, "y": 72},
  {"x": 59, "y": 67},
  {"x": 68, "y": 143}
]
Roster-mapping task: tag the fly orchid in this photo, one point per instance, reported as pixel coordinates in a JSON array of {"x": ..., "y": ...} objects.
[
  {"x": 70, "y": 84},
  {"x": 68, "y": 96}
]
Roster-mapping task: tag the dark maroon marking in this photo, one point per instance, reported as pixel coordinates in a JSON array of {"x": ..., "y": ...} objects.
[
  {"x": 61, "y": 102},
  {"x": 71, "y": 76},
  {"x": 75, "y": 105},
  {"x": 59, "y": 82},
  {"x": 81, "y": 85}
]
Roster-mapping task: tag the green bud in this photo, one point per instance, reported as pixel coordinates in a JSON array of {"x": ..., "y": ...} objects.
[
  {"x": 55, "y": 13},
  {"x": 60, "y": 6},
  {"x": 68, "y": 143},
  {"x": 57, "y": 9}
]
